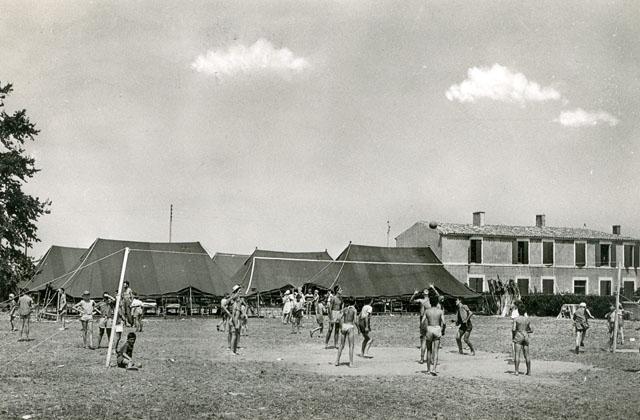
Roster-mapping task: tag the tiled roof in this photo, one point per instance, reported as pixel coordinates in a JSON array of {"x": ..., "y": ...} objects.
[{"x": 547, "y": 232}]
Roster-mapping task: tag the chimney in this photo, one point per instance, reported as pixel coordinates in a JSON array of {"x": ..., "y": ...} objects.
[
  {"x": 540, "y": 220},
  {"x": 478, "y": 218},
  {"x": 616, "y": 229}
]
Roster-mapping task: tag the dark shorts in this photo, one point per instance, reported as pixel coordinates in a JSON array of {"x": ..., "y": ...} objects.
[
  {"x": 521, "y": 338},
  {"x": 362, "y": 326},
  {"x": 465, "y": 328}
]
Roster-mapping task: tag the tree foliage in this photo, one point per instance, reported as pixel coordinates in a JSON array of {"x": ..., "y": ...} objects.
[{"x": 18, "y": 211}]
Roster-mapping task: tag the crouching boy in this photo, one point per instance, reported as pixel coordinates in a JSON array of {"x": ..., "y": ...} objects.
[{"x": 125, "y": 354}]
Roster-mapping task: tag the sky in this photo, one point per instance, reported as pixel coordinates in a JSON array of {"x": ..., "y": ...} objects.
[{"x": 303, "y": 125}]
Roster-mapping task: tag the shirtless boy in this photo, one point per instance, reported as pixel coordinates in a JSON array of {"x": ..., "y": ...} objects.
[
  {"x": 521, "y": 328},
  {"x": 334, "y": 307},
  {"x": 364, "y": 326},
  {"x": 434, "y": 320},
  {"x": 347, "y": 319}
]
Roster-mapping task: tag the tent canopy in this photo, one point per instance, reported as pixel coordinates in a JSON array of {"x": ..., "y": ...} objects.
[
  {"x": 268, "y": 271},
  {"x": 369, "y": 271},
  {"x": 153, "y": 269},
  {"x": 229, "y": 263},
  {"x": 56, "y": 262}
]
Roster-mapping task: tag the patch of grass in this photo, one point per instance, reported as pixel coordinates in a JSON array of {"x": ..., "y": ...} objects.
[{"x": 188, "y": 373}]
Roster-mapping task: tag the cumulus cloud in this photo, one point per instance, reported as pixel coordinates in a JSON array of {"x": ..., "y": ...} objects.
[
  {"x": 580, "y": 118},
  {"x": 260, "y": 57},
  {"x": 498, "y": 83}
]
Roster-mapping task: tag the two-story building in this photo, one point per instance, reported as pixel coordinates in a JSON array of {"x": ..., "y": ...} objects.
[{"x": 540, "y": 258}]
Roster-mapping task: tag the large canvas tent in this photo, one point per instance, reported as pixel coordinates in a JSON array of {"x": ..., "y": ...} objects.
[
  {"x": 270, "y": 271},
  {"x": 153, "y": 269},
  {"x": 229, "y": 263},
  {"x": 56, "y": 262},
  {"x": 369, "y": 271}
]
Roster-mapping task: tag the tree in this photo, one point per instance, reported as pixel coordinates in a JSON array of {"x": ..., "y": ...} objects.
[{"x": 18, "y": 211}]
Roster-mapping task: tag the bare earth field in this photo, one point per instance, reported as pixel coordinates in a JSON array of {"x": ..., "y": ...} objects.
[{"x": 188, "y": 373}]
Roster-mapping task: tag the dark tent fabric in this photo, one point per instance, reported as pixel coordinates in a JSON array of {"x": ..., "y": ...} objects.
[
  {"x": 153, "y": 269},
  {"x": 368, "y": 271},
  {"x": 268, "y": 271},
  {"x": 56, "y": 262},
  {"x": 229, "y": 263}
]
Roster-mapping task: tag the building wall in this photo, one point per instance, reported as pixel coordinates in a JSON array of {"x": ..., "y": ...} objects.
[{"x": 420, "y": 235}]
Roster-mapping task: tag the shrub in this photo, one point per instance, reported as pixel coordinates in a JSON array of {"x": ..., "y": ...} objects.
[{"x": 549, "y": 305}]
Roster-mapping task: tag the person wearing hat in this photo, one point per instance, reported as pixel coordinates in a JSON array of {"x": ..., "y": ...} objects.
[
  {"x": 12, "y": 311},
  {"x": 86, "y": 307},
  {"x": 581, "y": 323}
]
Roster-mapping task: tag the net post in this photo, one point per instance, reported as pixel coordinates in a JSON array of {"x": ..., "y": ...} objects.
[
  {"x": 616, "y": 322},
  {"x": 117, "y": 307}
]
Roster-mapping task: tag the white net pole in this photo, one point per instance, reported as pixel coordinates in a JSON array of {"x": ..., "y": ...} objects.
[{"x": 117, "y": 308}]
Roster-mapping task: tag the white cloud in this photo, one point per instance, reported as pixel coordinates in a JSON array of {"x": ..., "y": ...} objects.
[
  {"x": 579, "y": 118},
  {"x": 258, "y": 58},
  {"x": 498, "y": 83}
]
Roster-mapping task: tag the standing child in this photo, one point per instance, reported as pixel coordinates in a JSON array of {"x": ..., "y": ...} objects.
[
  {"x": 521, "y": 328},
  {"x": 298, "y": 313},
  {"x": 345, "y": 321},
  {"x": 62, "y": 308},
  {"x": 106, "y": 313},
  {"x": 125, "y": 353},
  {"x": 364, "y": 326},
  {"x": 12, "y": 311},
  {"x": 136, "y": 312},
  {"x": 319, "y": 312},
  {"x": 463, "y": 321},
  {"x": 86, "y": 307},
  {"x": 25, "y": 307}
]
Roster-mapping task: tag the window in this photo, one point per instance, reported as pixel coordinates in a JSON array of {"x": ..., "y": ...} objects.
[
  {"x": 523, "y": 286},
  {"x": 548, "y": 286},
  {"x": 547, "y": 252},
  {"x": 579, "y": 287},
  {"x": 629, "y": 250},
  {"x": 475, "y": 284},
  {"x": 475, "y": 251},
  {"x": 521, "y": 252},
  {"x": 581, "y": 253},
  {"x": 605, "y": 287},
  {"x": 629, "y": 288},
  {"x": 603, "y": 254}
]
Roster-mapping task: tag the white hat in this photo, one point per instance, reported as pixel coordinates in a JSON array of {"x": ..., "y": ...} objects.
[
  {"x": 86, "y": 293},
  {"x": 287, "y": 292},
  {"x": 235, "y": 288},
  {"x": 11, "y": 296},
  {"x": 583, "y": 305}
]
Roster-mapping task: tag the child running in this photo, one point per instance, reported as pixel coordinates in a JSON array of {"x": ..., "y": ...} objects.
[
  {"x": 521, "y": 328},
  {"x": 463, "y": 321},
  {"x": 581, "y": 323},
  {"x": 364, "y": 326},
  {"x": 125, "y": 354},
  {"x": 86, "y": 307},
  {"x": 346, "y": 320}
]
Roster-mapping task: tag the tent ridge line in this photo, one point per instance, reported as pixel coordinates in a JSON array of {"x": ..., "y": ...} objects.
[{"x": 351, "y": 262}]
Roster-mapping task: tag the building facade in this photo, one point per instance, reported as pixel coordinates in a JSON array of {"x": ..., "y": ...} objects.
[{"x": 539, "y": 258}]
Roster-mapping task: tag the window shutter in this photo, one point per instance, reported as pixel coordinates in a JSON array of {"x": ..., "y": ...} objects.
[
  {"x": 525, "y": 257},
  {"x": 598, "y": 254},
  {"x": 514, "y": 252},
  {"x": 636, "y": 255},
  {"x": 469, "y": 251},
  {"x": 614, "y": 261}
]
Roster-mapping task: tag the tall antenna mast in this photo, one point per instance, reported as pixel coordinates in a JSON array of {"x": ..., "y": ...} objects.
[
  {"x": 388, "y": 232},
  {"x": 170, "y": 221}
]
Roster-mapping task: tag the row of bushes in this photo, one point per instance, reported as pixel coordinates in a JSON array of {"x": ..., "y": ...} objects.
[{"x": 550, "y": 305}]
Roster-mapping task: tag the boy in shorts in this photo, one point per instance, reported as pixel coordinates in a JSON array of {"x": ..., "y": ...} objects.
[
  {"x": 86, "y": 307},
  {"x": 298, "y": 313},
  {"x": 319, "y": 312},
  {"x": 521, "y": 328},
  {"x": 434, "y": 320},
  {"x": 364, "y": 326},
  {"x": 346, "y": 320},
  {"x": 463, "y": 321},
  {"x": 106, "y": 313},
  {"x": 334, "y": 308},
  {"x": 12, "y": 311},
  {"x": 125, "y": 353},
  {"x": 25, "y": 307}
]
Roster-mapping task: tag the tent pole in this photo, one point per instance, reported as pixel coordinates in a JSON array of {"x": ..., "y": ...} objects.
[
  {"x": 251, "y": 276},
  {"x": 615, "y": 322},
  {"x": 190, "y": 302},
  {"x": 117, "y": 308},
  {"x": 258, "y": 304}
]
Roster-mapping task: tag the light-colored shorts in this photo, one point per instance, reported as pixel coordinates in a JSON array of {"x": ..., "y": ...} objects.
[
  {"x": 434, "y": 332},
  {"x": 347, "y": 326},
  {"x": 119, "y": 328},
  {"x": 86, "y": 318},
  {"x": 102, "y": 322},
  {"x": 334, "y": 316}
]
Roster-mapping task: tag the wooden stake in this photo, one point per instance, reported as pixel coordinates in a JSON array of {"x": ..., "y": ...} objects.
[{"x": 615, "y": 325}]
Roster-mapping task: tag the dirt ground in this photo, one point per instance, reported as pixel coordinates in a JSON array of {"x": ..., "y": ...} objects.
[{"x": 188, "y": 373}]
